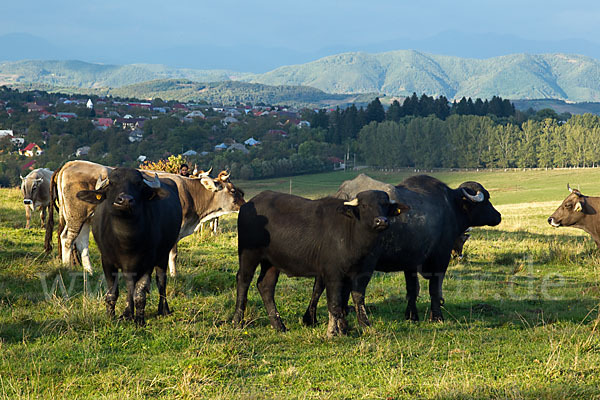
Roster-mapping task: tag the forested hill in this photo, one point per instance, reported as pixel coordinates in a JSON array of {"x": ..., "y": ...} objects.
[
  {"x": 396, "y": 73},
  {"x": 400, "y": 73}
]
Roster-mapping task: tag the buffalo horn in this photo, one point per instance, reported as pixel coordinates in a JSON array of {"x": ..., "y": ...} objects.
[
  {"x": 353, "y": 203},
  {"x": 478, "y": 198},
  {"x": 100, "y": 183},
  {"x": 154, "y": 184}
]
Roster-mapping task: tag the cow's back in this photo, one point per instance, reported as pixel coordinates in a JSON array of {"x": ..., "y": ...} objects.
[
  {"x": 73, "y": 177},
  {"x": 424, "y": 231},
  {"x": 293, "y": 233}
]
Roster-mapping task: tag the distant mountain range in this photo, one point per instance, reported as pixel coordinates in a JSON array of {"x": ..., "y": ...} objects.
[{"x": 399, "y": 73}]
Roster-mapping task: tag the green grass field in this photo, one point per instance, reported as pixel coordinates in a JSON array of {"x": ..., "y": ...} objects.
[{"x": 522, "y": 316}]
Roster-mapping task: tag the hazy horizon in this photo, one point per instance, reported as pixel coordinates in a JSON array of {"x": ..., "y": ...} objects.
[{"x": 260, "y": 36}]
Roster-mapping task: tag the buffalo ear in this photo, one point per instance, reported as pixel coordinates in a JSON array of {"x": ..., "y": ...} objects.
[
  {"x": 159, "y": 193},
  {"x": 348, "y": 211},
  {"x": 397, "y": 209},
  {"x": 91, "y": 196}
]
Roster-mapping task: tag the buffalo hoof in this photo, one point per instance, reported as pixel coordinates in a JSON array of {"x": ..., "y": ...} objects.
[
  {"x": 361, "y": 316},
  {"x": 309, "y": 319},
  {"x": 411, "y": 315},
  {"x": 280, "y": 327},
  {"x": 127, "y": 315},
  {"x": 237, "y": 321},
  {"x": 336, "y": 326},
  {"x": 436, "y": 317},
  {"x": 165, "y": 310}
]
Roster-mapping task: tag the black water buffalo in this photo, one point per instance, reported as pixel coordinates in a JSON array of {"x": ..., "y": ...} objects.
[
  {"x": 135, "y": 224},
  {"x": 202, "y": 198},
  {"x": 326, "y": 238},
  {"x": 579, "y": 211},
  {"x": 420, "y": 241}
]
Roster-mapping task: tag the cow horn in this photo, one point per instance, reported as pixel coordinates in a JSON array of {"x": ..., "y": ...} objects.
[
  {"x": 154, "y": 184},
  {"x": 570, "y": 189},
  {"x": 353, "y": 203},
  {"x": 478, "y": 198},
  {"x": 100, "y": 183},
  {"x": 223, "y": 176},
  {"x": 201, "y": 173},
  {"x": 21, "y": 178}
]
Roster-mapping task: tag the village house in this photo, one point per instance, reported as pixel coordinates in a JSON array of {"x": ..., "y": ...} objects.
[
  {"x": 136, "y": 135},
  {"x": 251, "y": 142},
  {"x": 31, "y": 150},
  {"x": 103, "y": 123},
  {"x": 6, "y": 132}
]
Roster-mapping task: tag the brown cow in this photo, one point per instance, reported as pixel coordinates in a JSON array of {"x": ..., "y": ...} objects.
[
  {"x": 578, "y": 211},
  {"x": 201, "y": 199}
]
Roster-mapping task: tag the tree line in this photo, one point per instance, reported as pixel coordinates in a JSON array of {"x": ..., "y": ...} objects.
[
  {"x": 471, "y": 141},
  {"x": 422, "y": 132}
]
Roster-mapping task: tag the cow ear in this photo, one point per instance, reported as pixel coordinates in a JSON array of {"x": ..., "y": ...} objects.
[
  {"x": 208, "y": 183},
  {"x": 91, "y": 196}
]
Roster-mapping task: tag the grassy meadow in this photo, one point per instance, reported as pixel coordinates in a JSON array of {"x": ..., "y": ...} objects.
[{"x": 522, "y": 316}]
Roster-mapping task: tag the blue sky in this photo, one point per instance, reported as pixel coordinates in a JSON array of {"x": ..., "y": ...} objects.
[{"x": 309, "y": 27}]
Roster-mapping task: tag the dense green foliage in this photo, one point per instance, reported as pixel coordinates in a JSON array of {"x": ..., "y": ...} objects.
[
  {"x": 468, "y": 141},
  {"x": 231, "y": 92},
  {"x": 423, "y": 132},
  {"x": 521, "y": 317}
]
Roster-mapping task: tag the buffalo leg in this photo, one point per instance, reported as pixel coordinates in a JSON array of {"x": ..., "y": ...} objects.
[
  {"x": 310, "y": 316},
  {"x": 248, "y": 263},
  {"x": 266, "y": 287},
  {"x": 112, "y": 283},
  {"x": 435, "y": 292},
  {"x": 335, "y": 305},
  {"x": 161, "y": 284},
  {"x": 130, "y": 305},
  {"x": 142, "y": 287},
  {"x": 359, "y": 287},
  {"x": 412, "y": 292}
]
